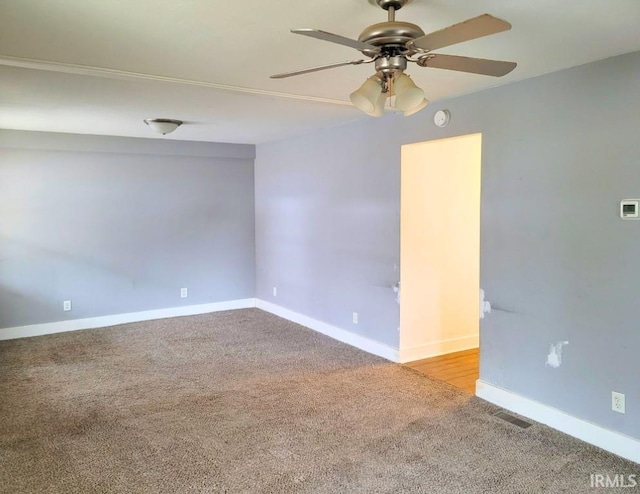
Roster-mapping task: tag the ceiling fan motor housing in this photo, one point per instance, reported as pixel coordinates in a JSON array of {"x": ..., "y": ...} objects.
[
  {"x": 396, "y": 4},
  {"x": 390, "y": 35},
  {"x": 389, "y": 65}
]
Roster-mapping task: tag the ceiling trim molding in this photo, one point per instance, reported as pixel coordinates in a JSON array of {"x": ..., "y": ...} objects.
[
  {"x": 86, "y": 70},
  {"x": 91, "y": 143}
]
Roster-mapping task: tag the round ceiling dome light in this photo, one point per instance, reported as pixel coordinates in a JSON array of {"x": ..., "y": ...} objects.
[{"x": 163, "y": 126}]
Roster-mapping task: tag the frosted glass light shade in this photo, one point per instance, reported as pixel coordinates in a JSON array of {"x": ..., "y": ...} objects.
[
  {"x": 416, "y": 109},
  {"x": 163, "y": 125},
  {"x": 378, "y": 110},
  {"x": 366, "y": 97},
  {"x": 408, "y": 95}
]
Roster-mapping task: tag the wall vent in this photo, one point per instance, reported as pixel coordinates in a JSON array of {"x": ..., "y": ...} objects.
[{"x": 513, "y": 420}]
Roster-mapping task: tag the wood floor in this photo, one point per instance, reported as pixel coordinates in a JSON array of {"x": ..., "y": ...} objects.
[{"x": 461, "y": 369}]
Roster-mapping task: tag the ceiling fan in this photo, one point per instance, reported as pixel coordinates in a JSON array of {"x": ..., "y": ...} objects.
[{"x": 393, "y": 44}]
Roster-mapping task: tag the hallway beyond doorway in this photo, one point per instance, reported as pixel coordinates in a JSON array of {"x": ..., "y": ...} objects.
[{"x": 460, "y": 369}]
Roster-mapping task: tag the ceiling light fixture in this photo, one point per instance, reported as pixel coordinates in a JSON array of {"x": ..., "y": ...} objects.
[
  {"x": 378, "y": 111},
  {"x": 371, "y": 97},
  {"x": 391, "y": 45},
  {"x": 417, "y": 108},
  {"x": 408, "y": 95},
  {"x": 366, "y": 97},
  {"x": 163, "y": 126},
  {"x": 390, "y": 80}
]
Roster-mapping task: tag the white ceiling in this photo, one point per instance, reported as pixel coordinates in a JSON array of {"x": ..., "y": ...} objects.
[{"x": 101, "y": 66}]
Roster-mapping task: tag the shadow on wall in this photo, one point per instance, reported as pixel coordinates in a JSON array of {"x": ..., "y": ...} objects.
[
  {"x": 35, "y": 280},
  {"x": 15, "y": 302},
  {"x": 15, "y": 298}
]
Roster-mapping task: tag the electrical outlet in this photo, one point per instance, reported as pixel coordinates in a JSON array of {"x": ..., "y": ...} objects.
[
  {"x": 275, "y": 291},
  {"x": 617, "y": 402},
  {"x": 184, "y": 293},
  {"x": 355, "y": 318},
  {"x": 66, "y": 305}
]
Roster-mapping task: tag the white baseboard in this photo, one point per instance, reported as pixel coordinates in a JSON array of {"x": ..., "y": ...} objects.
[
  {"x": 103, "y": 321},
  {"x": 616, "y": 443},
  {"x": 353, "y": 339},
  {"x": 438, "y": 348}
]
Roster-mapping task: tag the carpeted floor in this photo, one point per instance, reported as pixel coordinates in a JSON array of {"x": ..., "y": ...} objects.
[{"x": 245, "y": 402}]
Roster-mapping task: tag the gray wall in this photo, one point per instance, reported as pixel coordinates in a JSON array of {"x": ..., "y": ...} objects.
[
  {"x": 120, "y": 225},
  {"x": 328, "y": 226},
  {"x": 559, "y": 153}
]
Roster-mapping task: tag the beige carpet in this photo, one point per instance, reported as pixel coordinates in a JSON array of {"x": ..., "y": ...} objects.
[{"x": 243, "y": 401}]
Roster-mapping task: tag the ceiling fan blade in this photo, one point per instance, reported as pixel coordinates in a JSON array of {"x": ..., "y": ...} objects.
[
  {"x": 335, "y": 38},
  {"x": 495, "y": 68},
  {"x": 480, "y": 26},
  {"x": 316, "y": 69}
]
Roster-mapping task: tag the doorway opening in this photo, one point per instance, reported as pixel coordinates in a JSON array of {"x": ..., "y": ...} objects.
[{"x": 440, "y": 258}]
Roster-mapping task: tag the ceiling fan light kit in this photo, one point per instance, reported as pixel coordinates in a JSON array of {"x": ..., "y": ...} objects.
[
  {"x": 366, "y": 96},
  {"x": 392, "y": 45},
  {"x": 408, "y": 95},
  {"x": 163, "y": 126},
  {"x": 379, "y": 107},
  {"x": 416, "y": 109}
]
